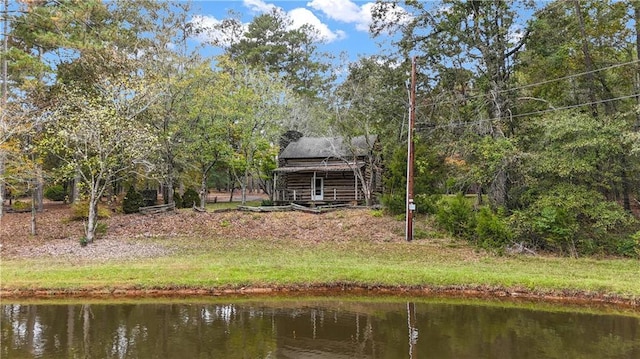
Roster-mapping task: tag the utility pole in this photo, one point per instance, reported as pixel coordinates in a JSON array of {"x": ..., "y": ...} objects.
[{"x": 410, "y": 153}]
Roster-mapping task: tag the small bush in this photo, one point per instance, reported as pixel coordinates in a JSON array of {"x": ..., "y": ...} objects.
[
  {"x": 132, "y": 201},
  {"x": 190, "y": 198},
  {"x": 101, "y": 229},
  {"x": 266, "y": 203},
  {"x": 629, "y": 247},
  {"x": 377, "y": 213},
  {"x": 573, "y": 220},
  {"x": 149, "y": 197},
  {"x": 456, "y": 216},
  {"x": 491, "y": 230},
  {"x": 55, "y": 193},
  {"x": 394, "y": 204},
  {"x": 80, "y": 211},
  {"x": 427, "y": 204},
  {"x": 177, "y": 199},
  {"x": 19, "y": 206}
]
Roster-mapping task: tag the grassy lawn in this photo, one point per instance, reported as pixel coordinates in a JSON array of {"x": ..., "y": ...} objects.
[{"x": 225, "y": 263}]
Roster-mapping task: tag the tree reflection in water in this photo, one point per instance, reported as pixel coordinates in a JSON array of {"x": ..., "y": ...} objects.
[{"x": 327, "y": 328}]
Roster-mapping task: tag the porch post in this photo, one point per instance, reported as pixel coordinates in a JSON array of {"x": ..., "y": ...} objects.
[
  {"x": 356, "y": 184},
  {"x": 313, "y": 187}
]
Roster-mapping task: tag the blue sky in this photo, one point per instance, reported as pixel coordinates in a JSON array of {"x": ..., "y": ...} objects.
[{"x": 342, "y": 24}]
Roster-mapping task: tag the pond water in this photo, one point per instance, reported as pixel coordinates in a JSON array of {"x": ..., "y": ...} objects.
[{"x": 341, "y": 327}]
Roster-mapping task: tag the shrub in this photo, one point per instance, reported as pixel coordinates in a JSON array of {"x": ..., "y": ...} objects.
[
  {"x": 491, "y": 230},
  {"x": 572, "y": 219},
  {"x": 394, "y": 203},
  {"x": 149, "y": 197},
  {"x": 625, "y": 246},
  {"x": 455, "y": 214},
  {"x": 177, "y": 199},
  {"x": 80, "y": 210},
  {"x": 20, "y": 206},
  {"x": 427, "y": 204},
  {"x": 55, "y": 193},
  {"x": 190, "y": 198},
  {"x": 132, "y": 201},
  {"x": 101, "y": 228},
  {"x": 266, "y": 203}
]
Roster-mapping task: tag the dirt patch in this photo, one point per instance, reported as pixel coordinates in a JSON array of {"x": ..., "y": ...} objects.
[
  {"x": 580, "y": 298},
  {"x": 59, "y": 236}
]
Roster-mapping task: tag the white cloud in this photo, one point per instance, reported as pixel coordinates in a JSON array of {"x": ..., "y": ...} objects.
[
  {"x": 361, "y": 16},
  {"x": 394, "y": 14},
  {"x": 302, "y": 16},
  {"x": 340, "y": 10},
  {"x": 210, "y": 30},
  {"x": 258, "y": 6}
]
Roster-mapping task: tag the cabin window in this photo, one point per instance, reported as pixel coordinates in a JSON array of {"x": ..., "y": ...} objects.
[{"x": 317, "y": 188}]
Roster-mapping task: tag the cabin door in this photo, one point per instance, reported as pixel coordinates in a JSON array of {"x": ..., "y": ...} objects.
[{"x": 317, "y": 188}]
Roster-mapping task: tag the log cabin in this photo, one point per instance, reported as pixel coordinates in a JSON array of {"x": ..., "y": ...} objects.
[{"x": 326, "y": 170}]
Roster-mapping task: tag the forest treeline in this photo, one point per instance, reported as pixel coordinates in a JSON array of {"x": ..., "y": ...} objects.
[{"x": 530, "y": 109}]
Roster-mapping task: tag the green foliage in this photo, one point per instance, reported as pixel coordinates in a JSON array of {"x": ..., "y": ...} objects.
[
  {"x": 190, "y": 198},
  {"x": 149, "y": 197},
  {"x": 377, "y": 213},
  {"x": 101, "y": 228},
  {"x": 80, "y": 211},
  {"x": 132, "y": 201},
  {"x": 429, "y": 172},
  {"x": 571, "y": 219},
  {"x": 20, "y": 206},
  {"x": 270, "y": 43},
  {"x": 266, "y": 203},
  {"x": 394, "y": 203},
  {"x": 427, "y": 204},
  {"x": 492, "y": 230},
  {"x": 177, "y": 199},
  {"x": 55, "y": 193},
  {"x": 455, "y": 214},
  {"x": 629, "y": 246}
]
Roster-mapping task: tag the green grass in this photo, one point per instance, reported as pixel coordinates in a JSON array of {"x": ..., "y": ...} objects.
[{"x": 224, "y": 263}]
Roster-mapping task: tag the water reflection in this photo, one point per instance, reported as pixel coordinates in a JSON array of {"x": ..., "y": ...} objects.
[{"x": 315, "y": 328}]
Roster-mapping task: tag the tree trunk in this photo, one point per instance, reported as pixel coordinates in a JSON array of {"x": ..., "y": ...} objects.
[
  {"x": 169, "y": 191},
  {"x": 2, "y": 183},
  {"x": 33, "y": 212},
  {"x": 243, "y": 187},
  {"x": 92, "y": 219},
  {"x": 39, "y": 190},
  {"x": 203, "y": 190},
  {"x": 75, "y": 191}
]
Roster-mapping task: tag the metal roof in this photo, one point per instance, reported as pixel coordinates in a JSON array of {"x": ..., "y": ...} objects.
[
  {"x": 321, "y": 168},
  {"x": 325, "y": 147}
]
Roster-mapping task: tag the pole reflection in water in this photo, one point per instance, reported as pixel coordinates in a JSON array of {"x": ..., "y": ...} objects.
[
  {"x": 413, "y": 331},
  {"x": 318, "y": 328}
]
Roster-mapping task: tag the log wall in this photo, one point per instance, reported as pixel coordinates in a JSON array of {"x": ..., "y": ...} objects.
[{"x": 338, "y": 187}]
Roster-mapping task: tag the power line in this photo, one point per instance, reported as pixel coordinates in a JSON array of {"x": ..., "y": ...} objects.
[
  {"x": 542, "y": 82},
  {"x": 569, "y": 107}
]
